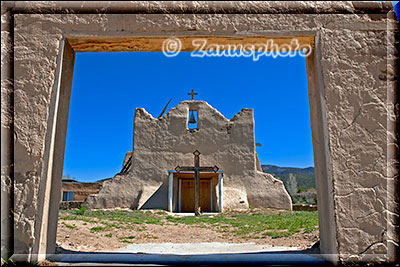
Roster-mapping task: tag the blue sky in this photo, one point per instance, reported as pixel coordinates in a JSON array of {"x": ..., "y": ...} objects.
[{"x": 107, "y": 87}]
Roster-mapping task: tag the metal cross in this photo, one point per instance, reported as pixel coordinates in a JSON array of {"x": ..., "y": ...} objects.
[
  {"x": 192, "y": 94},
  {"x": 197, "y": 169}
]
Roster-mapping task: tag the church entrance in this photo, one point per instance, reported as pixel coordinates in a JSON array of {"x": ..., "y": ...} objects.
[
  {"x": 186, "y": 195},
  {"x": 195, "y": 188},
  {"x": 182, "y": 191}
]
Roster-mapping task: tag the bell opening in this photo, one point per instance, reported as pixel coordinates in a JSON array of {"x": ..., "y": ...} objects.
[{"x": 192, "y": 122}]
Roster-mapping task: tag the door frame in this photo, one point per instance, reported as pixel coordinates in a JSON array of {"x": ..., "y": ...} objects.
[{"x": 174, "y": 199}]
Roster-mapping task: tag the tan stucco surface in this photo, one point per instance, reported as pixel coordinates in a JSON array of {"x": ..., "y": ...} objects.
[{"x": 352, "y": 78}]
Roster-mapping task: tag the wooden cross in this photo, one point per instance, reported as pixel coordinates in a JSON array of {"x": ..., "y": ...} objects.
[
  {"x": 192, "y": 94},
  {"x": 197, "y": 169}
]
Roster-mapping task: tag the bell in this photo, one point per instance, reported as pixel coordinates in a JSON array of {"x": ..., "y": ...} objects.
[{"x": 192, "y": 118}]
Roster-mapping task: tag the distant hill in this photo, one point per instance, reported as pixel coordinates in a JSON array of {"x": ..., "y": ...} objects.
[
  {"x": 305, "y": 177},
  {"x": 286, "y": 170}
]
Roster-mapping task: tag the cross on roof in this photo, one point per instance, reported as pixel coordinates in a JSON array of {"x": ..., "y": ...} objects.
[{"x": 192, "y": 94}]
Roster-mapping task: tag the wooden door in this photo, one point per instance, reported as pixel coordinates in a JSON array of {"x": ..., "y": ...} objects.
[
  {"x": 187, "y": 195},
  {"x": 205, "y": 195}
]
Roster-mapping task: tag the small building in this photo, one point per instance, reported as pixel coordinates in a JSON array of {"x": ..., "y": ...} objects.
[
  {"x": 74, "y": 194},
  {"x": 152, "y": 177}
]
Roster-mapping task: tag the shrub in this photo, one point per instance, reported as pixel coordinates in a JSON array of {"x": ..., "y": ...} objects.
[{"x": 81, "y": 211}]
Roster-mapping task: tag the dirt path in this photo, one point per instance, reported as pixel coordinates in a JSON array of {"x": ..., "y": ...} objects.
[{"x": 94, "y": 235}]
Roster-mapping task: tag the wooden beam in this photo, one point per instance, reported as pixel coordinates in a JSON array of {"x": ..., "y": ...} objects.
[
  {"x": 154, "y": 44},
  {"x": 200, "y": 169},
  {"x": 197, "y": 208}
]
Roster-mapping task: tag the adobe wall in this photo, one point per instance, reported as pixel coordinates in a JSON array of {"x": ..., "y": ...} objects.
[
  {"x": 352, "y": 78},
  {"x": 81, "y": 190},
  {"x": 162, "y": 144}
]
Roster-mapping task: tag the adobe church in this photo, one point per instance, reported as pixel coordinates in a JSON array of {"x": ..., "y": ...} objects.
[{"x": 160, "y": 171}]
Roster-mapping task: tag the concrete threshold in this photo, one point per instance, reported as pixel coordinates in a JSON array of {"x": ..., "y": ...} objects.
[
  {"x": 192, "y": 253},
  {"x": 202, "y": 248}
]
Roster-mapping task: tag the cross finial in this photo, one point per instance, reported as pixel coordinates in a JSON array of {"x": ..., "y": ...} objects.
[{"x": 192, "y": 94}]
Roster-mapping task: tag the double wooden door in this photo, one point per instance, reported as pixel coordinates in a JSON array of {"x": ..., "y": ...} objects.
[{"x": 187, "y": 195}]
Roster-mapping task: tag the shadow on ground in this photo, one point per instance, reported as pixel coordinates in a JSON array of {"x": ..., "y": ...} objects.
[{"x": 309, "y": 256}]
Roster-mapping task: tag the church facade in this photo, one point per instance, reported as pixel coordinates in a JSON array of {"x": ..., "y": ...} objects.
[{"x": 152, "y": 177}]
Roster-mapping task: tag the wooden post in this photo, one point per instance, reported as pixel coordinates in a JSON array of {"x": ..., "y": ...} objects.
[
  {"x": 170, "y": 191},
  {"x": 220, "y": 187},
  {"x": 197, "y": 208}
]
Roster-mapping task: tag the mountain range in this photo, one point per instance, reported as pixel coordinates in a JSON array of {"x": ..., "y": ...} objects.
[{"x": 305, "y": 177}]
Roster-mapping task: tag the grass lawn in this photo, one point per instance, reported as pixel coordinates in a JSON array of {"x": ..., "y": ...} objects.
[{"x": 256, "y": 223}]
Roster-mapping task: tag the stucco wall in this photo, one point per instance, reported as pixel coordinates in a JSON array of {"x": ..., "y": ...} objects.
[
  {"x": 352, "y": 80},
  {"x": 81, "y": 190},
  {"x": 162, "y": 144}
]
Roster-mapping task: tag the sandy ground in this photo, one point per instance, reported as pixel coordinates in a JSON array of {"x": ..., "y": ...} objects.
[{"x": 81, "y": 239}]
